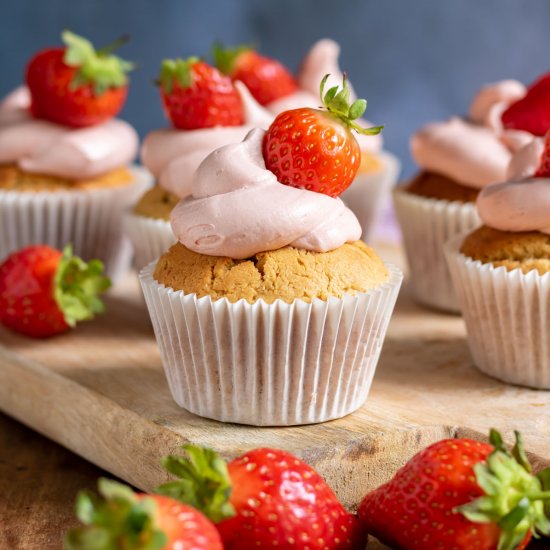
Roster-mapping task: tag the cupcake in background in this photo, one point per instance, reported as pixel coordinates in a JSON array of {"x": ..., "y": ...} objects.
[
  {"x": 278, "y": 90},
  {"x": 206, "y": 110},
  {"x": 501, "y": 272},
  {"x": 269, "y": 310},
  {"x": 457, "y": 159},
  {"x": 65, "y": 174}
]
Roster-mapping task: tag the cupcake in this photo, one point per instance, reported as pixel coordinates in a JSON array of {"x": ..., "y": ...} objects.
[
  {"x": 274, "y": 87},
  {"x": 268, "y": 310},
  {"x": 64, "y": 160},
  {"x": 206, "y": 111},
  {"x": 457, "y": 158},
  {"x": 501, "y": 272}
]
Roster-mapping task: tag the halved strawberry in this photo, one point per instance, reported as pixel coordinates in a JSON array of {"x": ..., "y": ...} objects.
[
  {"x": 196, "y": 95},
  {"x": 266, "y": 498},
  {"x": 532, "y": 112},
  {"x": 77, "y": 85},
  {"x": 122, "y": 519},
  {"x": 315, "y": 149},
  {"x": 44, "y": 292},
  {"x": 266, "y": 78}
]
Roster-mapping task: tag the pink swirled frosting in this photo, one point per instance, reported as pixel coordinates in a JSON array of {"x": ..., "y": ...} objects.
[
  {"x": 523, "y": 202},
  {"x": 474, "y": 152},
  {"x": 238, "y": 208},
  {"x": 174, "y": 155},
  {"x": 43, "y": 147},
  {"x": 322, "y": 59}
]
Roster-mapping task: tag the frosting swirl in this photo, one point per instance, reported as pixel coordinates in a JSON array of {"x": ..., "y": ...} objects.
[
  {"x": 474, "y": 152},
  {"x": 238, "y": 208},
  {"x": 43, "y": 147},
  {"x": 322, "y": 59},
  {"x": 523, "y": 203},
  {"x": 174, "y": 155}
]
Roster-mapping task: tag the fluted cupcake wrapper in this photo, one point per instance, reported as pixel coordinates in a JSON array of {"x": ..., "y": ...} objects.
[
  {"x": 426, "y": 224},
  {"x": 270, "y": 364},
  {"x": 90, "y": 220},
  {"x": 366, "y": 194},
  {"x": 507, "y": 315},
  {"x": 150, "y": 237}
]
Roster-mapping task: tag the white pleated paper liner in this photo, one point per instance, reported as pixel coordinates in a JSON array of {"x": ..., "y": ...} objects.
[
  {"x": 365, "y": 196},
  {"x": 270, "y": 364},
  {"x": 426, "y": 224},
  {"x": 150, "y": 237},
  {"x": 90, "y": 220},
  {"x": 507, "y": 315}
]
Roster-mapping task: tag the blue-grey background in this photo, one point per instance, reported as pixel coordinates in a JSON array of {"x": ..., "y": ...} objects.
[{"x": 415, "y": 60}]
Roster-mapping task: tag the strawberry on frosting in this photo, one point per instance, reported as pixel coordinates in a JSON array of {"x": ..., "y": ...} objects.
[
  {"x": 173, "y": 155},
  {"x": 44, "y": 147}
]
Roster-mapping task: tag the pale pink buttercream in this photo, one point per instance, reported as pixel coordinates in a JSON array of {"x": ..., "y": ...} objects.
[
  {"x": 523, "y": 202},
  {"x": 468, "y": 153},
  {"x": 238, "y": 208},
  {"x": 322, "y": 59},
  {"x": 43, "y": 147},
  {"x": 174, "y": 155}
]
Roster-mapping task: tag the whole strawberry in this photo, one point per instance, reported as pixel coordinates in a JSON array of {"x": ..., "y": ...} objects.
[
  {"x": 460, "y": 494},
  {"x": 77, "y": 85},
  {"x": 266, "y": 78},
  {"x": 44, "y": 292},
  {"x": 532, "y": 112},
  {"x": 264, "y": 499},
  {"x": 315, "y": 149},
  {"x": 127, "y": 520},
  {"x": 196, "y": 95}
]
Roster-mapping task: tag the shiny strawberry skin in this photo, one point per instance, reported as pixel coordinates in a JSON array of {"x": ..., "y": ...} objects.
[
  {"x": 313, "y": 150},
  {"x": 49, "y": 80},
  {"x": 532, "y": 112},
  {"x": 282, "y": 503},
  {"x": 211, "y": 100},
  {"x": 27, "y": 303},
  {"x": 185, "y": 527},
  {"x": 266, "y": 78},
  {"x": 416, "y": 510}
]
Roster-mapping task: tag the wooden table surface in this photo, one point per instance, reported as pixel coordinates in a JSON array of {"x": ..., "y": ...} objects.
[{"x": 39, "y": 481}]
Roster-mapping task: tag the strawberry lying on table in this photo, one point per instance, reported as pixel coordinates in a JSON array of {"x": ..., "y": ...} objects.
[
  {"x": 264, "y": 499},
  {"x": 44, "y": 292},
  {"x": 461, "y": 494},
  {"x": 122, "y": 519},
  {"x": 77, "y": 85}
]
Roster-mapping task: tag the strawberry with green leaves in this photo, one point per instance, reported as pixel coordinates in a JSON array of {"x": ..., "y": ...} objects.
[
  {"x": 461, "y": 494},
  {"x": 315, "y": 149},
  {"x": 76, "y": 85},
  {"x": 44, "y": 292},
  {"x": 266, "y": 78},
  {"x": 196, "y": 95},
  {"x": 122, "y": 519},
  {"x": 264, "y": 499}
]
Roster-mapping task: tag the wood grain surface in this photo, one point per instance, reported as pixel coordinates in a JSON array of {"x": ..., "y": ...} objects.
[{"x": 100, "y": 391}]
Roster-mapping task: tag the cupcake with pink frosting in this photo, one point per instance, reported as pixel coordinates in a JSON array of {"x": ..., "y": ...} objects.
[
  {"x": 269, "y": 310},
  {"x": 65, "y": 174},
  {"x": 501, "y": 272},
  {"x": 206, "y": 111},
  {"x": 457, "y": 159},
  {"x": 277, "y": 90}
]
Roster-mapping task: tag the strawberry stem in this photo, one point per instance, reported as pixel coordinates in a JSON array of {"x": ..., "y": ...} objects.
[
  {"x": 337, "y": 102},
  {"x": 114, "y": 45},
  {"x": 203, "y": 482},
  {"x": 77, "y": 286},
  {"x": 225, "y": 58}
]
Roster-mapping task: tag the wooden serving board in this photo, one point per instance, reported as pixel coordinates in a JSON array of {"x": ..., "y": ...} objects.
[{"x": 101, "y": 392}]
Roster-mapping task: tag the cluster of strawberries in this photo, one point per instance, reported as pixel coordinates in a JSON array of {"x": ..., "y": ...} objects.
[{"x": 457, "y": 494}]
